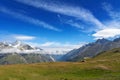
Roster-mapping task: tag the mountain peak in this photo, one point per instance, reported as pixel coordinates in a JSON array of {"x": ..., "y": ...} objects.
[
  {"x": 117, "y": 39},
  {"x": 18, "y": 47},
  {"x": 101, "y": 41},
  {"x": 18, "y": 42}
]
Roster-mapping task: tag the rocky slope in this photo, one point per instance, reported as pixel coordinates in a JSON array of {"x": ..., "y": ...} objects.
[{"x": 91, "y": 49}]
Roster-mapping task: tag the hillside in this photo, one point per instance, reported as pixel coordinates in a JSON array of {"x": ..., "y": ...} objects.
[
  {"x": 15, "y": 58},
  {"x": 111, "y": 56},
  {"x": 105, "y": 66}
]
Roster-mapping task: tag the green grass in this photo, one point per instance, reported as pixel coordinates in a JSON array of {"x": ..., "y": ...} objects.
[
  {"x": 105, "y": 66},
  {"x": 59, "y": 71}
]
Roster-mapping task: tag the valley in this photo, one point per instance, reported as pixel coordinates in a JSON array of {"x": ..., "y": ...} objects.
[
  {"x": 17, "y": 64},
  {"x": 105, "y": 66}
]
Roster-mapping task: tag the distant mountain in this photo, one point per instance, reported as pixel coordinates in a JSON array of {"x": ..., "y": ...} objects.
[
  {"x": 18, "y": 52},
  {"x": 91, "y": 49},
  {"x": 56, "y": 53},
  {"x": 19, "y": 47},
  {"x": 57, "y": 57}
]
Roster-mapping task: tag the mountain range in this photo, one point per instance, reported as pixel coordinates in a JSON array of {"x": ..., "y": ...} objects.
[
  {"x": 18, "y": 52},
  {"x": 91, "y": 50}
]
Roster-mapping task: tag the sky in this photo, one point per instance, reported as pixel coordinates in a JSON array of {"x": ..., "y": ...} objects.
[{"x": 65, "y": 24}]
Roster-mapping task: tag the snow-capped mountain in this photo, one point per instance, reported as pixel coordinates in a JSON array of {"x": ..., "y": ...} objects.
[
  {"x": 19, "y": 47},
  {"x": 19, "y": 52}
]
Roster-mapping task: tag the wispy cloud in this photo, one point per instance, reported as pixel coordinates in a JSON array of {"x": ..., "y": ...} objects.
[
  {"x": 112, "y": 28},
  {"x": 76, "y": 12},
  {"x": 75, "y": 24},
  {"x": 23, "y": 37},
  {"x": 70, "y": 22},
  {"x": 28, "y": 19},
  {"x": 113, "y": 13},
  {"x": 12, "y": 37}
]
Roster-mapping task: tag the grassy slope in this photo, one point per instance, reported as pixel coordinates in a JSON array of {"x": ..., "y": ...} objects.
[{"x": 105, "y": 66}]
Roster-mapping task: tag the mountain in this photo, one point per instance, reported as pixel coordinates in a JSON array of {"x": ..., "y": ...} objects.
[
  {"x": 22, "y": 46},
  {"x": 91, "y": 49},
  {"x": 19, "y": 47},
  {"x": 18, "y": 52}
]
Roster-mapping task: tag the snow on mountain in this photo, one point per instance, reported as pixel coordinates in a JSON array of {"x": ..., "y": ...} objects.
[
  {"x": 16, "y": 44},
  {"x": 19, "y": 51},
  {"x": 23, "y": 48},
  {"x": 19, "y": 47}
]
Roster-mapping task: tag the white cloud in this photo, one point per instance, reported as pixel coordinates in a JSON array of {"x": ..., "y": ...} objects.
[
  {"x": 75, "y": 24},
  {"x": 48, "y": 44},
  {"x": 113, "y": 13},
  {"x": 23, "y": 37},
  {"x": 107, "y": 33},
  {"x": 62, "y": 45},
  {"x": 71, "y": 22},
  {"x": 112, "y": 28},
  {"x": 52, "y": 47},
  {"x": 57, "y": 45},
  {"x": 28, "y": 19},
  {"x": 76, "y": 12},
  {"x": 9, "y": 37}
]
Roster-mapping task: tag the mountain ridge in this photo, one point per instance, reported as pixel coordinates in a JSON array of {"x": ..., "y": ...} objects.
[{"x": 91, "y": 49}]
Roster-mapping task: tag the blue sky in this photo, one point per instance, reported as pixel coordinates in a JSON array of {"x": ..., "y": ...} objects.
[{"x": 59, "y": 23}]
